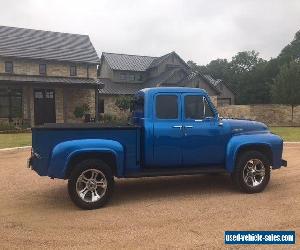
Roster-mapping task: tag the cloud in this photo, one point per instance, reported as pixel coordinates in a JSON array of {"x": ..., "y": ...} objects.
[{"x": 200, "y": 30}]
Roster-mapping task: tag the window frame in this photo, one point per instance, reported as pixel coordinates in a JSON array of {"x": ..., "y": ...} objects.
[
  {"x": 12, "y": 96},
  {"x": 101, "y": 103},
  {"x": 40, "y": 72},
  {"x": 5, "y": 67},
  {"x": 75, "y": 72},
  {"x": 178, "y": 107},
  {"x": 123, "y": 76},
  {"x": 204, "y": 100}
]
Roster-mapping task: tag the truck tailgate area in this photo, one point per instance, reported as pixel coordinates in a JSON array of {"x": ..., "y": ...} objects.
[{"x": 45, "y": 138}]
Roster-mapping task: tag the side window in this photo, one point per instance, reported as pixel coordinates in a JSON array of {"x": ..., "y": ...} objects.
[
  {"x": 167, "y": 107},
  {"x": 193, "y": 107},
  {"x": 196, "y": 107},
  {"x": 208, "y": 110}
]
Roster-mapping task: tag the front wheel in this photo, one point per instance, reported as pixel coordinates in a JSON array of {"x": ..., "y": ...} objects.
[
  {"x": 91, "y": 184},
  {"x": 252, "y": 172}
]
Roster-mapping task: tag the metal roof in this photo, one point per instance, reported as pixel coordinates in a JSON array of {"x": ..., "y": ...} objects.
[
  {"x": 113, "y": 88},
  {"x": 41, "y": 79},
  {"x": 46, "y": 45},
  {"x": 164, "y": 79},
  {"x": 128, "y": 62}
]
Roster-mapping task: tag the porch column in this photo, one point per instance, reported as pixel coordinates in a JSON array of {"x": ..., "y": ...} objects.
[{"x": 65, "y": 101}]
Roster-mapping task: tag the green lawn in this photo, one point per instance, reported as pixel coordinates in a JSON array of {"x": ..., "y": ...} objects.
[
  {"x": 287, "y": 133},
  {"x": 15, "y": 140},
  {"x": 24, "y": 139}
]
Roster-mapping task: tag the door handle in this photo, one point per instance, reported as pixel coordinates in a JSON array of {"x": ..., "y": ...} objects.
[
  {"x": 189, "y": 126},
  {"x": 177, "y": 126}
]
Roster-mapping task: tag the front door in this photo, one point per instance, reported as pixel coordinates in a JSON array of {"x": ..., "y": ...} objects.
[
  {"x": 204, "y": 140},
  {"x": 44, "y": 106},
  {"x": 167, "y": 128}
]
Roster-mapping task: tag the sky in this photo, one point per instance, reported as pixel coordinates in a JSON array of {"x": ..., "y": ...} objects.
[{"x": 198, "y": 30}]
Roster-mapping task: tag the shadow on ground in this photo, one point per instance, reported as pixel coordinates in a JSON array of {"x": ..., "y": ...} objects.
[{"x": 130, "y": 191}]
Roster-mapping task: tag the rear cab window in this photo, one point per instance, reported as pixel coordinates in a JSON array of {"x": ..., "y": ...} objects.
[{"x": 166, "y": 106}]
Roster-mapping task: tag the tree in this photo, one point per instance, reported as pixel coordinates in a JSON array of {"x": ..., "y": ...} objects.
[
  {"x": 286, "y": 89},
  {"x": 291, "y": 51},
  {"x": 245, "y": 61}
]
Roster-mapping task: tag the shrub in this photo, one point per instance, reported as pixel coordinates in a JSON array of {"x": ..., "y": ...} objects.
[{"x": 80, "y": 111}]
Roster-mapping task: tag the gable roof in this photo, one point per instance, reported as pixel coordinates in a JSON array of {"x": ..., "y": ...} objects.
[
  {"x": 135, "y": 62},
  {"x": 128, "y": 62},
  {"x": 159, "y": 60},
  {"x": 46, "y": 45}
]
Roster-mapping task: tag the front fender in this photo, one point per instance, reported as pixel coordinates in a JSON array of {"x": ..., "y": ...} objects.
[
  {"x": 273, "y": 142},
  {"x": 63, "y": 152}
]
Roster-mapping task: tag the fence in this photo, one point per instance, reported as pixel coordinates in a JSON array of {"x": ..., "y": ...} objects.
[{"x": 271, "y": 114}]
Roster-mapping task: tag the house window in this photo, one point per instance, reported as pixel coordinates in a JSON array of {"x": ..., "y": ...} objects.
[
  {"x": 100, "y": 106},
  {"x": 131, "y": 77},
  {"x": 139, "y": 77},
  {"x": 42, "y": 69},
  {"x": 123, "y": 77},
  {"x": 224, "y": 101},
  {"x": 10, "y": 103},
  {"x": 9, "y": 67},
  {"x": 73, "y": 70}
]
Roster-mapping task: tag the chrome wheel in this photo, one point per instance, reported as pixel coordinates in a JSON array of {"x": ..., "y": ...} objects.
[
  {"x": 91, "y": 185},
  {"x": 254, "y": 172}
]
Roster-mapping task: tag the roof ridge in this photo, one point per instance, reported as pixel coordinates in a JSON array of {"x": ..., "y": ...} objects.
[
  {"x": 122, "y": 54},
  {"x": 43, "y": 31}
]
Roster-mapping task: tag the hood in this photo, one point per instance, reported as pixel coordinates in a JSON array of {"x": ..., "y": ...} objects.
[{"x": 244, "y": 126}]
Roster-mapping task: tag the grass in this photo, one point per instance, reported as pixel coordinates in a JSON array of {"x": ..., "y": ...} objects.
[
  {"x": 15, "y": 140},
  {"x": 287, "y": 133},
  {"x": 24, "y": 139}
]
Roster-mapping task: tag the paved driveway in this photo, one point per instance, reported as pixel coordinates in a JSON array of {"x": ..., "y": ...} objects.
[{"x": 188, "y": 212}]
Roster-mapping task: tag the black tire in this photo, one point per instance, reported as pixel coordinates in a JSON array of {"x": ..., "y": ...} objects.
[
  {"x": 240, "y": 170},
  {"x": 91, "y": 166}
]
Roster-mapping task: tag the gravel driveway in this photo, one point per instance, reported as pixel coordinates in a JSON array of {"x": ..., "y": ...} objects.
[{"x": 189, "y": 212}]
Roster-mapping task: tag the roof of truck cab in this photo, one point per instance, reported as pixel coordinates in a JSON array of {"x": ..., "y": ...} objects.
[{"x": 173, "y": 90}]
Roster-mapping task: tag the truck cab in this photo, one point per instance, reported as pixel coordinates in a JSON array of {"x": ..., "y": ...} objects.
[{"x": 173, "y": 131}]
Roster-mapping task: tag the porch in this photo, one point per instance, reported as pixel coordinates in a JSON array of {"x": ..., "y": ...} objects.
[{"x": 25, "y": 103}]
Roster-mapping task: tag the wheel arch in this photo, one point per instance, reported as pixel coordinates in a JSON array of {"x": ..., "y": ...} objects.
[
  {"x": 66, "y": 154},
  {"x": 235, "y": 149},
  {"x": 108, "y": 158},
  {"x": 262, "y": 148}
]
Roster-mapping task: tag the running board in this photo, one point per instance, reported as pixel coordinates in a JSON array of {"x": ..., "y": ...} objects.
[{"x": 152, "y": 172}]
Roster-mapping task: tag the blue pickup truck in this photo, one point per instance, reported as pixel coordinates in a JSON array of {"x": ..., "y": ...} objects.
[{"x": 173, "y": 131}]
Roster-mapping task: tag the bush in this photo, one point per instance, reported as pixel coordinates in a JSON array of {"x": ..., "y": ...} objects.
[
  {"x": 80, "y": 111},
  {"x": 7, "y": 126},
  {"x": 123, "y": 103}
]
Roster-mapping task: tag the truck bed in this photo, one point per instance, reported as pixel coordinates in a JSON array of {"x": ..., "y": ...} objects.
[{"x": 46, "y": 137}]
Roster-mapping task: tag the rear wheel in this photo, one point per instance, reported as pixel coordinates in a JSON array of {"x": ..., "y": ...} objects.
[
  {"x": 252, "y": 172},
  {"x": 91, "y": 184}
]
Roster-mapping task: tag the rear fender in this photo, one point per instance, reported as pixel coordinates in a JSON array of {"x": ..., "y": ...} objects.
[{"x": 63, "y": 153}]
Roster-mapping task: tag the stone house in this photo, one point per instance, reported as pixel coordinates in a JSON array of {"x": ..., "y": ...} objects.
[
  {"x": 45, "y": 75},
  {"x": 124, "y": 74}
]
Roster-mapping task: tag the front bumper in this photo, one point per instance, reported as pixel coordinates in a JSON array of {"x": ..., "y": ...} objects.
[{"x": 283, "y": 163}]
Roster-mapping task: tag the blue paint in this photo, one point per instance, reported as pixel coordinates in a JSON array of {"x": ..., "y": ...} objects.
[{"x": 153, "y": 142}]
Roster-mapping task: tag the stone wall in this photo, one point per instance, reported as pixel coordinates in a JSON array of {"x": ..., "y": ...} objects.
[
  {"x": 58, "y": 69},
  {"x": 271, "y": 114},
  {"x": 110, "y": 107},
  {"x": 74, "y": 97}
]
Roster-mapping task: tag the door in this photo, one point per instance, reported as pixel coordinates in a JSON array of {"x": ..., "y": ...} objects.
[
  {"x": 44, "y": 106},
  {"x": 167, "y": 129},
  {"x": 204, "y": 140}
]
